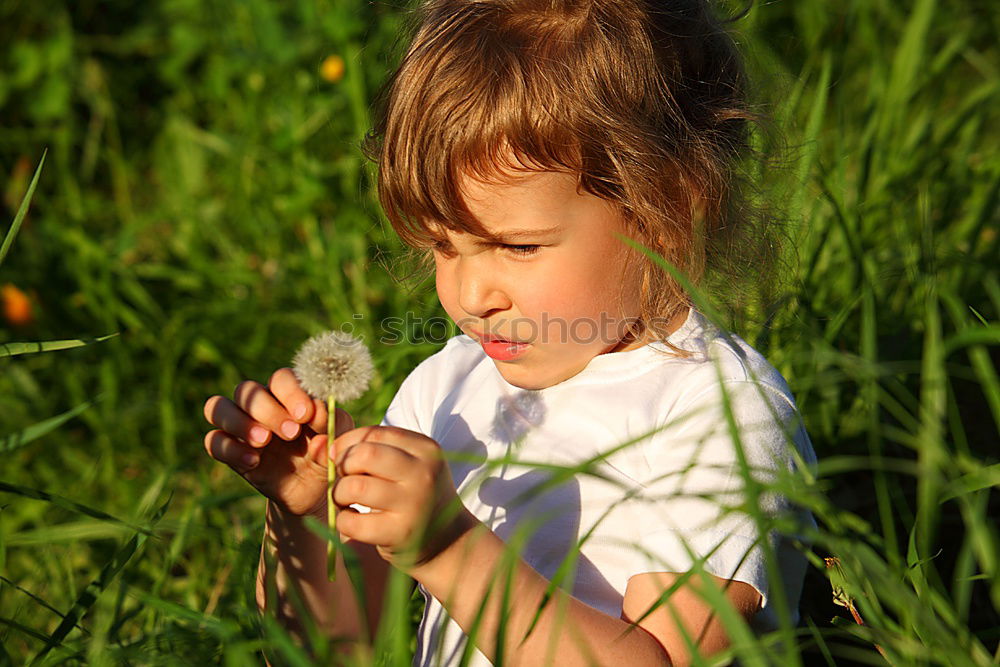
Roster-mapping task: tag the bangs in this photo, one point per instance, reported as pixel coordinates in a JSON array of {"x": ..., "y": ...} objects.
[
  {"x": 473, "y": 100},
  {"x": 643, "y": 102}
]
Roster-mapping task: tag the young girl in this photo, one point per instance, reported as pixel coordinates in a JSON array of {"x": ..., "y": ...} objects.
[{"x": 577, "y": 478}]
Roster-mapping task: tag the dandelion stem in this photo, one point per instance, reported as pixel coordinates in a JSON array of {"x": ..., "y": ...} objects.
[
  {"x": 337, "y": 367},
  {"x": 331, "y": 477}
]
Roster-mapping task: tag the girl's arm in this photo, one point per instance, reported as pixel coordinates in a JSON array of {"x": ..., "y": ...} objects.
[
  {"x": 275, "y": 437},
  {"x": 568, "y": 631},
  {"x": 421, "y": 527},
  {"x": 298, "y": 578}
]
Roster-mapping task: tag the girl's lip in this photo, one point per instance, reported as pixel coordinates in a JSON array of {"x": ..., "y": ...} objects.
[
  {"x": 503, "y": 350},
  {"x": 500, "y": 349},
  {"x": 486, "y": 338}
]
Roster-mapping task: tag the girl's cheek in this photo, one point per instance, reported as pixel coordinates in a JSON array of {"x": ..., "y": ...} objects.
[{"x": 445, "y": 286}]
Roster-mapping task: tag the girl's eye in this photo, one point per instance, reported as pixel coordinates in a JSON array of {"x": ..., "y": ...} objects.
[
  {"x": 522, "y": 250},
  {"x": 442, "y": 247}
]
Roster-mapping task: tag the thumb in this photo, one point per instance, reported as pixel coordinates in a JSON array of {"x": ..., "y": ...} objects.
[
  {"x": 318, "y": 421},
  {"x": 344, "y": 423},
  {"x": 318, "y": 443}
]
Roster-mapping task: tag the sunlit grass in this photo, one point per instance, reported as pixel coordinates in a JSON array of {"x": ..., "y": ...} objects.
[{"x": 203, "y": 196}]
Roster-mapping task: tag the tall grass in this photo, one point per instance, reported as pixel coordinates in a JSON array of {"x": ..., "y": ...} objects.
[{"x": 203, "y": 180}]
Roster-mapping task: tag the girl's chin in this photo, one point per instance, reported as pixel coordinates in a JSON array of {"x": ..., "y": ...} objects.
[{"x": 531, "y": 375}]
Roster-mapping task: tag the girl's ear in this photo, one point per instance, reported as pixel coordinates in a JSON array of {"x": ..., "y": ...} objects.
[{"x": 698, "y": 209}]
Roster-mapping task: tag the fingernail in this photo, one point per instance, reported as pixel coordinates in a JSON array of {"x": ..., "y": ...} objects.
[
  {"x": 299, "y": 411},
  {"x": 259, "y": 434},
  {"x": 289, "y": 429},
  {"x": 249, "y": 460}
]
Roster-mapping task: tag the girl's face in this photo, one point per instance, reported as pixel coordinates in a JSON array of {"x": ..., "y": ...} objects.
[{"x": 552, "y": 290}]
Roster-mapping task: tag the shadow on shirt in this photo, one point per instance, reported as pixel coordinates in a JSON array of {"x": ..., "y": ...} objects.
[{"x": 527, "y": 508}]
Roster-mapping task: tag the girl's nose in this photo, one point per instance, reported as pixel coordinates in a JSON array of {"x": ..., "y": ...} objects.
[{"x": 479, "y": 292}]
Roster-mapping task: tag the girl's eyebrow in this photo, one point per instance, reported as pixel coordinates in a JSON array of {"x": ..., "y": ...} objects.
[{"x": 515, "y": 234}]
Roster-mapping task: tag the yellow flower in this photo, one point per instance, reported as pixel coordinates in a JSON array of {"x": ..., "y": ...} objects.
[
  {"x": 16, "y": 306},
  {"x": 332, "y": 69}
]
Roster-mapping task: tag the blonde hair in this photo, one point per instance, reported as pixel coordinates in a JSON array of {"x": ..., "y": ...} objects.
[{"x": 643, "y": 100}]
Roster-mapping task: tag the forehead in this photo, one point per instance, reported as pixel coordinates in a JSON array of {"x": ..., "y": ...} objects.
[
  {"x": 513, "y": 190},
  {"x": 524, "y": 200}
]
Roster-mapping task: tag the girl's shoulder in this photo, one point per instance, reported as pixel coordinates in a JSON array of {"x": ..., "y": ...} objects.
[
  {"x": 459, "y": 357},
  {"x": 433, "y": 380},
  {"x": 719, "y": 357},
  {"x": 719, "y": 369},
  {"x": 727, "y": 384}
]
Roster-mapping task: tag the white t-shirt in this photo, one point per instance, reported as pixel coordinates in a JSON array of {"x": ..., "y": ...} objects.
[{"x": 652, "y": 463}]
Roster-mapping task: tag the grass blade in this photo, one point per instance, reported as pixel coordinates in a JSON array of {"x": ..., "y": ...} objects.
[
  {"x": 23, "y": 629},
  {"x": 21, "y": 211},
  {"x": 17, "y": 440},
  {"x": 90, "y": 594},
  {"x": 13, "y": 349},
  {"x": 218, "y": 627},
  {"x": 69, "y": 532},
  {"x": 977, "y": 480},
  {"x": 41, "y": 602},
  {"x": 282, "y": 645},
  {"x": 67, "y": 504}
]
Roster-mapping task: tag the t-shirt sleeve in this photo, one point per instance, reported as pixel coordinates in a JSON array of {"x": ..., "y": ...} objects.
[
  {"x": 410, "y": 408},
  {"x": 696, "y": 504},
  {"x": 421, "y": 393},
  {"x": 402, "y": 410}
]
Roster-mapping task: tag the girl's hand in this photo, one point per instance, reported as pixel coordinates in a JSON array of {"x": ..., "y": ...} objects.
[
  {"x": 275, "y": 438},
  {"x": 403, "y": 478}
]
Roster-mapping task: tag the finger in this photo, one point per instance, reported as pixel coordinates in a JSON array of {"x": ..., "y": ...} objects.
[
  {"x": 373, "y": 458},
  {"x": 258, "y": 402},
  {"x": 223, "y": 448},
  {"x": 416, "y": 444},
  {"x": 365, "y": 490},
  {"x": 226, "y": 415},
  {"x": 318, "y": 443},
  {"x": 378, "y": 528},
  {"x": 286, "y": 388},
  {"x": 344, "y": 420},
  {"x": 318, "y": 422},
  {"x": 348, "y": 439},
  {"x": 344, "y": 423},
  {"x": 316, "y": 450}
]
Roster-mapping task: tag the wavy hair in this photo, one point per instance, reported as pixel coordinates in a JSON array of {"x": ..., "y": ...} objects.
[{"x": 644, "y": 100}]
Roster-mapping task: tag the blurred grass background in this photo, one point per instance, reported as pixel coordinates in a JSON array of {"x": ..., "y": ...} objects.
[{"x": 203, "y": 195}]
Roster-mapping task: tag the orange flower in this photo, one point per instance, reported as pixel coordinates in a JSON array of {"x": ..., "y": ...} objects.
[
  {"x": 332, "y": 69},
  {"x": 17, "y": 185},
  {"x": 16, "y": 306}
]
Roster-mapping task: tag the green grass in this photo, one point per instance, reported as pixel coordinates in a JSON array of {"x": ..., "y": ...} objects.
[{"x": 203, "y": 198}]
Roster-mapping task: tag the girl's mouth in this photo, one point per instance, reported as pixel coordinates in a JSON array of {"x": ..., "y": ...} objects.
[{"x": 501, "y": 349}]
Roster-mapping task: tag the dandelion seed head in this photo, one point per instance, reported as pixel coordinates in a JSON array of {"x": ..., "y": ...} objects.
[{"x": 333, "y": 364}]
